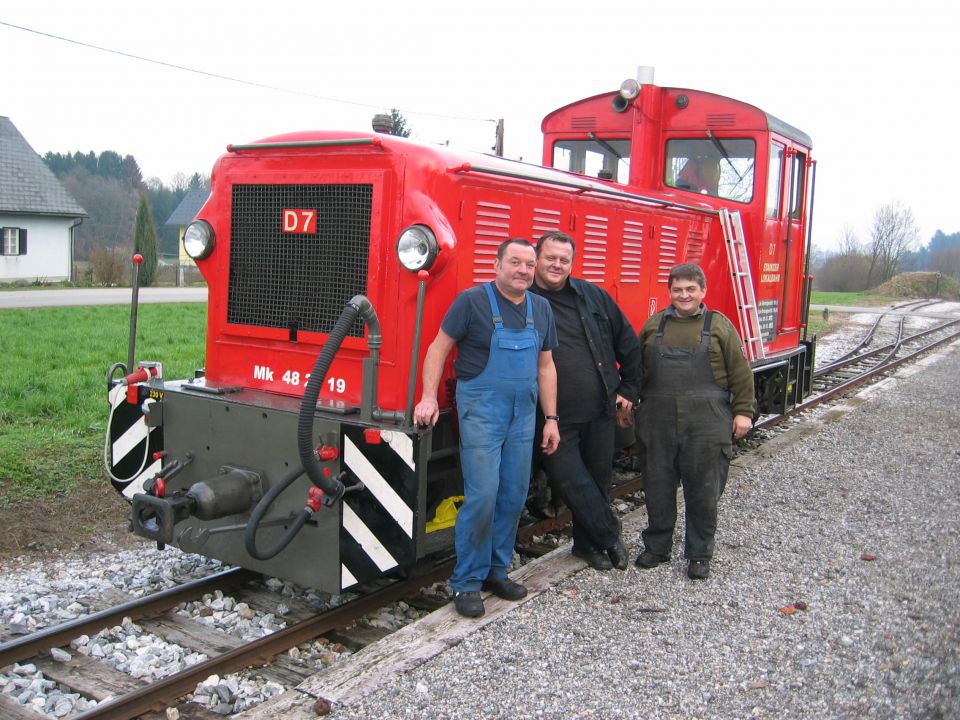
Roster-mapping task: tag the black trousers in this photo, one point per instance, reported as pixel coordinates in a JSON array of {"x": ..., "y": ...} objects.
[{"x": 581, "y": 471}]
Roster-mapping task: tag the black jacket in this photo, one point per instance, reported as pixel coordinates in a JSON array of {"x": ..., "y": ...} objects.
[{"x": 611, "y": 339}]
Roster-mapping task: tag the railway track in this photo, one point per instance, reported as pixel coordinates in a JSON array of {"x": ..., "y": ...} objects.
[
  {"x": 120, "y": 695},
  {"x": 864, "y": 363}
]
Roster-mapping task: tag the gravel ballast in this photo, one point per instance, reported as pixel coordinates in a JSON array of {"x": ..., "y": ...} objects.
[{"x": 833, "y": 594}]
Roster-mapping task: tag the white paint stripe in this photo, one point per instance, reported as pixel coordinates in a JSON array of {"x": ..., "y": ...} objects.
[
  {"x": 129, "y": 440},
  {"x": 401, "y": 444},
  {"x": 368, "y": 541},
  {"x": 118, "y": 395},
  {"x": 378, "y": 486},
  {"x": 136, "y": 485},
  {"x": 346, "y": 578}
]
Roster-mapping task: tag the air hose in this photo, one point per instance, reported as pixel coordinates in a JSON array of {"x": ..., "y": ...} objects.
[
  {"x": 332, "y": 488},
  {"x": 250, "y": 533}
]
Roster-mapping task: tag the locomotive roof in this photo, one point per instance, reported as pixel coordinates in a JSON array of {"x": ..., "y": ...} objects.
[{"x": 600, "y": 105}]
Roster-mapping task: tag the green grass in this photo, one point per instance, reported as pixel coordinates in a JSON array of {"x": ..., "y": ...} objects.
[
  {"x": 53, "y": 405},
  {"x": 853, "y": 299}
]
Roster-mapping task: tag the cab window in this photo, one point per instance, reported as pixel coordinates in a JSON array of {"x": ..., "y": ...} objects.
[
  {"x": 773, "y": 180},
  {"x": 596, "y": 157},
  {"x": 719, "y": 167}
]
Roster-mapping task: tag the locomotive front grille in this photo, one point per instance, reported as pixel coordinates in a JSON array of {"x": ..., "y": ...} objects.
[{"x": 297, "y": 280}]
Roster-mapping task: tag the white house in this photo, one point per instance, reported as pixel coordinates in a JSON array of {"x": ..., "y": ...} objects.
[{"x": 37, "y": 214}]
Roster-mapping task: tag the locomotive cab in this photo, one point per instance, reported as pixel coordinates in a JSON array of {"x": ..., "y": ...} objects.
[{"x": 713, "y": 152}]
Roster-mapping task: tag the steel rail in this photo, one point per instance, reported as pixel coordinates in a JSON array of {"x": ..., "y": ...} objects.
[
  {"x": 840, "y": 362},
  {"x": 858, "y": 380},
  {"x": 29, "y": 645},
  {"x": 162, "y": 693}
]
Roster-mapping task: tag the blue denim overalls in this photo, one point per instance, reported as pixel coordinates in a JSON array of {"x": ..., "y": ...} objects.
[{"x": 497, "y": 411}]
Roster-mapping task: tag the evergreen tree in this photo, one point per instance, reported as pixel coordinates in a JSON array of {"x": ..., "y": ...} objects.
[
  {"x": 400, "y": 126},
  {"x": 145, "y": 241}
]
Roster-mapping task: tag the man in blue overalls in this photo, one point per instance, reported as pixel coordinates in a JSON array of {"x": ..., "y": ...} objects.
[{"x": 504, "y": 338}]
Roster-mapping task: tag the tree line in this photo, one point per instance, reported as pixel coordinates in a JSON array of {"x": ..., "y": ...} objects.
[
  {"x": 124, "y": 210},
  {"x": 893, "y": 247}
]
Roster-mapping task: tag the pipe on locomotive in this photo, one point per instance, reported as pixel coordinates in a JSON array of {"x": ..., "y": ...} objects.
[{"x": 359, "y": 305}]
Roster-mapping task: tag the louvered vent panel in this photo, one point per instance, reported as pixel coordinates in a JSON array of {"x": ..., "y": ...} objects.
[
  {"x": 544, "y": 221},
  {"x": 595, "y": 229},
  {"x": 492, "y": 228},
  {"x": 632, "y": 252},
  {"x": 695, "y": 244},
  {"x": 723, "y": 120},
  {"x": 583, "y": 122},
  {"x": 668, "y": 253}
]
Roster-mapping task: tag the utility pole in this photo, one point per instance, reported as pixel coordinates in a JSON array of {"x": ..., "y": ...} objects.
[{"x": 498, "y": 145}]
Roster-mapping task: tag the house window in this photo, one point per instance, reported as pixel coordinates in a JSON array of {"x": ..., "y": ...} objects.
[{"x": 14, "y": 241}]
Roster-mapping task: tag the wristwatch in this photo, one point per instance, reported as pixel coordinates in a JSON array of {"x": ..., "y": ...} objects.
[{"x": 552, "y": 417}]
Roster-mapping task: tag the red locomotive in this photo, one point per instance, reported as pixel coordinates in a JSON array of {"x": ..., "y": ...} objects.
[{"x": 329, "y": 255}]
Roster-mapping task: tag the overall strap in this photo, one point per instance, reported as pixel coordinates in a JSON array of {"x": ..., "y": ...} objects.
[
  {"x": 705, "y": 334},
  {"x": 494, "y": 308},
  {"x": 529, "y": 301},
  {"x": 663, "y": 323}
]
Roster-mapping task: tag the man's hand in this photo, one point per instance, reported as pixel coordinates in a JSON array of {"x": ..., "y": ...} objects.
[
  {"x": 551, "y": 437},
  {"x": 741, "y": 425},
  {"x": 427, "y": 412},
  {"x": 624, "y": 412}
]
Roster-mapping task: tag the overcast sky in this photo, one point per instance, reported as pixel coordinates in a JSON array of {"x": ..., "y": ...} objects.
[{"x": 874, "y": 84}]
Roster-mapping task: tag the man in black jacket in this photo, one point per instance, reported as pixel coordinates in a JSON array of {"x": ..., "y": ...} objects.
[{"x": 593, "y": 395}]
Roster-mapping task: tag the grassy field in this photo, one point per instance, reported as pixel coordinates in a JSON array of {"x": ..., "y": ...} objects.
[
  {"x": 53, "y": 405},
  {"x": 852, "y": 299}
]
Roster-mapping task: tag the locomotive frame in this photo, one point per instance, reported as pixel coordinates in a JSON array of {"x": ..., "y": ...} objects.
[{"x": 329, "y": 255}]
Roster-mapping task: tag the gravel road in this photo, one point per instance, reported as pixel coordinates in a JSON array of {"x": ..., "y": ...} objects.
[{"x": 833, "y": 594}]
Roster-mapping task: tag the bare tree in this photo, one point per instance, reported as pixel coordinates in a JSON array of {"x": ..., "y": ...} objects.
[
  {"x": 893, "y": 234},
  {"x": 947, "y": 261}
]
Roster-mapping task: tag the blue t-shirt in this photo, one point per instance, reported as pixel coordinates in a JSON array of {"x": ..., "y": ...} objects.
[{"x": 470, "y": 322}]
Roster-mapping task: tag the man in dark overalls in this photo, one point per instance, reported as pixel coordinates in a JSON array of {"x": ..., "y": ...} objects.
[
  {"x": 697, "y": 395},
  {"x": 504, "y": 338}
]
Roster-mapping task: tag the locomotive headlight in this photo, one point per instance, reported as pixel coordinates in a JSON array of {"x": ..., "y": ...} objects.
[
  {"x": 417, "y": 248},
  {"x": 629, "y": 89},
  {"x": 198, "y": 240}
]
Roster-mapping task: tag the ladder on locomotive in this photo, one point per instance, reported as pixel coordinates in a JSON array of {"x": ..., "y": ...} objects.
[{"x": 739, "y": 263}]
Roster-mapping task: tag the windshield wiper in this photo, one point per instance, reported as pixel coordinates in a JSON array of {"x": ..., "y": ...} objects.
[
  {"x": 723, "y": 151},
  {"x": 605, "y": 145}
]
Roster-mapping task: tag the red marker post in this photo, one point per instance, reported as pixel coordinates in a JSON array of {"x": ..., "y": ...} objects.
[{"x": 134, "y": 301}]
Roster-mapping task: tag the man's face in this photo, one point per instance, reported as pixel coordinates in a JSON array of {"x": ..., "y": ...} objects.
[
  {"x": 553, "y": 264},
  {"x": 515, "y": 272},
  {"x": 686, "y": 296}
]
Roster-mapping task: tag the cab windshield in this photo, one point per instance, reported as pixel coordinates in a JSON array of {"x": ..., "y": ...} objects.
[
  {"x": 596, "y": 157},
  {"x": 719, "y": 167}
]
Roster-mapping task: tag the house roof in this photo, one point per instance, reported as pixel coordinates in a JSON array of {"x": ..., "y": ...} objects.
[
  {"x": 27, "y": 185},
  {"x": 187, "y": 210}
]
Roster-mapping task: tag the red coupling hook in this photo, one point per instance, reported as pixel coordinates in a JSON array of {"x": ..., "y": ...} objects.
[
  {"x": 315, "y": 499},
  {"x": 328, "y": 453}
]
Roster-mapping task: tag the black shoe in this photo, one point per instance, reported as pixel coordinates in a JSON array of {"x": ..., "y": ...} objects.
[
  {"x": 618, "y": 555},
  {"x": 648, "y": 560},
  {"x": 596, "y": 559},
  {"x": 505, "y": 588},
  {"x": 469, "y": 604},
  {"x": 698, "y": 569}
]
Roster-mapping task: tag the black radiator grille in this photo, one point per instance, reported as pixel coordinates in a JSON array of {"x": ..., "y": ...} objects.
[{"x": 297, "y": 281}]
